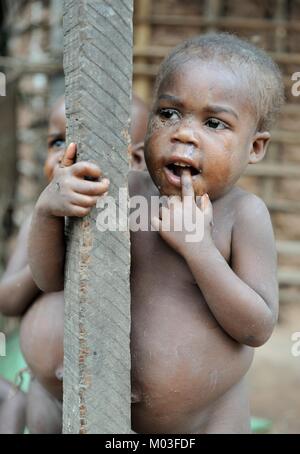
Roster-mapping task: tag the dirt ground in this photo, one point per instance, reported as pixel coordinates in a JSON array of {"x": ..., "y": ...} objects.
[{"x": 275, "y": 376}]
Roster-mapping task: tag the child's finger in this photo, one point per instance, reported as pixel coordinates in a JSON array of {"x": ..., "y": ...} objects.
[
  {"x": 84, "y": 201},
  {"x": 69, "y": 156},
  {"x": 187, "y": 184},
  {"x": 86, "y": 169},
  {"x": 79, "y": 212},
  {"x": 90, "y": 187}
]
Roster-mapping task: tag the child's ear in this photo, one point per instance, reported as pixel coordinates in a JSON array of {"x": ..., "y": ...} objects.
[{"x": 259, "y": 146}]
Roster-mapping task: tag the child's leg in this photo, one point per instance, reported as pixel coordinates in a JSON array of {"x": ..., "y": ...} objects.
[
  {"x": 44, "y": 412},
  {"x": 12, "y": 409}
]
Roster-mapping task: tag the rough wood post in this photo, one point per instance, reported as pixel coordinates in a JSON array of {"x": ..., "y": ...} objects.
[{"x": 98, "y": 71}]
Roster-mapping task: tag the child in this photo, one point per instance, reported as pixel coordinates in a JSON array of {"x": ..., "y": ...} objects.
[
  {"x": 41, "y": 332},
  {"x": 200, "y": 310}
]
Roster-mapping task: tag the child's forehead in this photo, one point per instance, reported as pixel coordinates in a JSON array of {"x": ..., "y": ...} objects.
[{"x": 198, "y": 80}]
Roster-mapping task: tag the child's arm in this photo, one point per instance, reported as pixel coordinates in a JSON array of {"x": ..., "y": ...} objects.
[
  {"x": 244, "y": 298},
  {"x": 17, "y": 288},
  {"x": 68, "y": 194}
]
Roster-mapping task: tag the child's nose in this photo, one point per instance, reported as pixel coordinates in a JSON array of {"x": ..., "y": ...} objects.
[{"x": 186, "y": 134}]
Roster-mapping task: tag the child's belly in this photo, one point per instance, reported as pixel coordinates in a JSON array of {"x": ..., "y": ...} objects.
[
  {"x": 41, "y": 339},
  {"x": 182, "y": 360}
]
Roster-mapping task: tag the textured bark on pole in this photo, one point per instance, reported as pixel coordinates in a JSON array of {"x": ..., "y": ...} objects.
[{"x": 98, "y": 73}]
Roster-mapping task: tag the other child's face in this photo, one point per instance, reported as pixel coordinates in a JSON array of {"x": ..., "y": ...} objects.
[
  {"x": 139, "y": 120},
  {"x": 56, "y": 141},
  {"x": 202, "y": 119}
]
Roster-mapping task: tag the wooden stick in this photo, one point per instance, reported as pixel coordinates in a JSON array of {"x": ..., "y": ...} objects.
[
  {"x": 285, "y": 206},
  {"x": 289, "y": 296},
  {"x": 162, "y": 51},
  {"x": 280, "y": 46},
  {"x": 288, "y": 276},
  {"x": 288, "y": 247},
  {"x": 211, "y": 13},
  {"x": 274, "y": 170},
  {"x": 219, "y": 22}
]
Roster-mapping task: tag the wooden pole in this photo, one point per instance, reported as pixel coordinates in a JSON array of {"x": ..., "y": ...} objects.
[
  {"x": 220, "y": 22},
  {"x": 98, "y": 74}
]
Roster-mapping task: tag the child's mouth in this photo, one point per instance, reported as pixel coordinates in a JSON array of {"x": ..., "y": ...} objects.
[
  {"x": 178, "y": 167},
  {"x": 174, "y": 171}
]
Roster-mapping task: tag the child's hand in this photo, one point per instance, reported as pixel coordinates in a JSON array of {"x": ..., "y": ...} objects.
[
  {"x": 69, "y": 193},
  {"x": 182, "y": 213}
]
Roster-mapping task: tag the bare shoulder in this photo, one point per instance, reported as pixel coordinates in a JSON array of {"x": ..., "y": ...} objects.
[
  {"x": 248, "y": 208},
  {"x": 252, "y": 226},
  {"x": 242, "y": 210}
]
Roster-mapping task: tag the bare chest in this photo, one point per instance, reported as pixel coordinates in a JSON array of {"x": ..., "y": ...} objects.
[{"x": 159, "y": 269}]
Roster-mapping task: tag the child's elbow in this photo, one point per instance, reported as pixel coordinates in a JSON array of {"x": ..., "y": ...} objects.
[
  {"x": 260, "y": 334},
  {"x": 255, "y": 340}
]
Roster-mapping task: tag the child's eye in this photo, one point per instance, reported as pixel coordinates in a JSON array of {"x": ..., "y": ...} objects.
[
  {"x": 169, "y": 114},
  {"x": 215, "y": 124},
  {"x": 57, "y": 143}
]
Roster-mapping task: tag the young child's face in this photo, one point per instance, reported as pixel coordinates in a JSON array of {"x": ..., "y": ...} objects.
[
  {"x": 56, "y": 139},
  {"x": 202, "y": 118}
]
